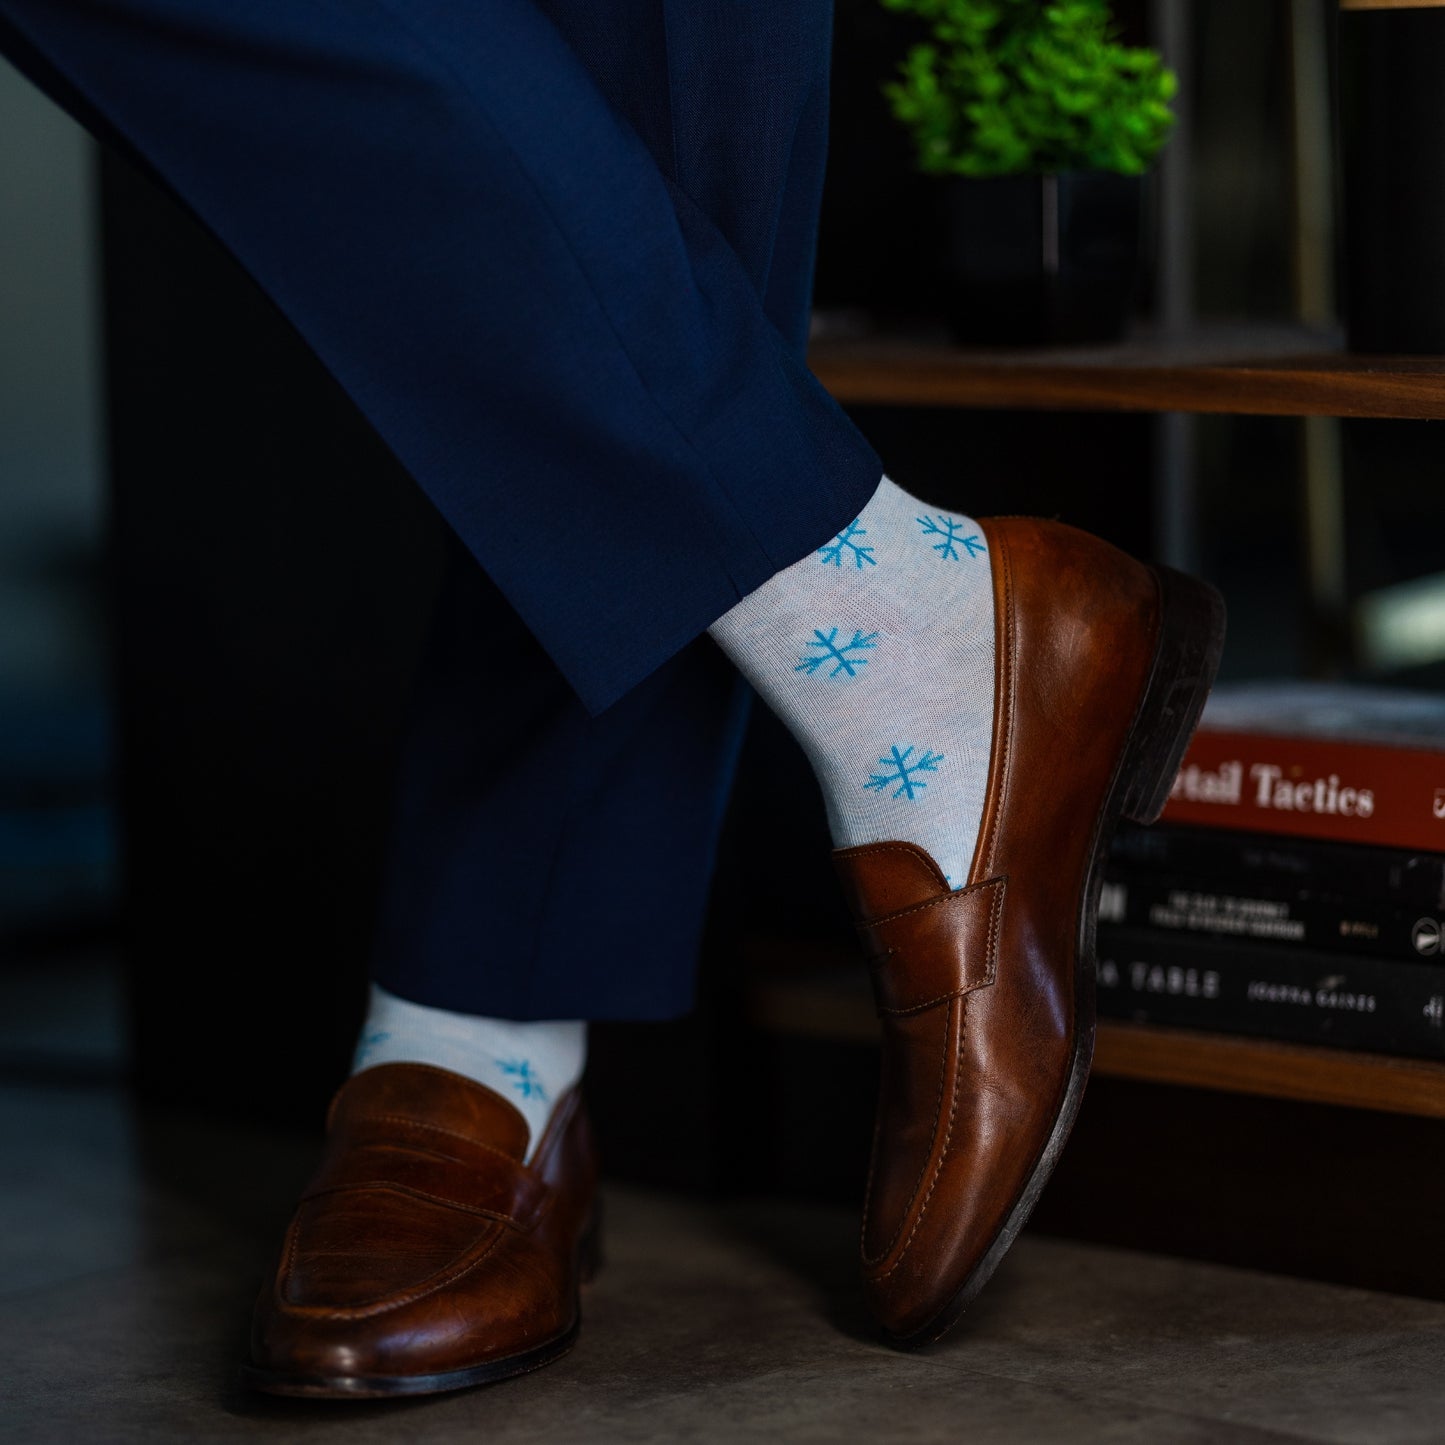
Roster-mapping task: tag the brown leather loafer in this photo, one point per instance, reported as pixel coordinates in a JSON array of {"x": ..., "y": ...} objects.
[
  {"x": 987, "y": 994},
  {"x": 424, "y": 1255}
]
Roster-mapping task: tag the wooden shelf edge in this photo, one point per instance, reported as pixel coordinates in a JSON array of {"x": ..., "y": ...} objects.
[
  {"x": 1149, "y": 1053},
  {"x": 1253, "y": 377},
  {"x": 1270, "y": 1069}
]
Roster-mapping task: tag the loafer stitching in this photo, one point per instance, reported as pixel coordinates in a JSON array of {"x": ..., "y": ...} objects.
[
  {"x": 922, "y": 1173},
  {"x": 938, "y": 1169},
  {"x": 865, "y": 850},
  {"x": 995, "y": 914},
  {"x": 991, "y": 952},
  {"x": 361, "y": 1186},
  {"x": 411, "y": 1123},
  {"x": 938, "y": 902},
  {"x": 470, "y": 1262},
  {"x": 1001, "y": 765}
]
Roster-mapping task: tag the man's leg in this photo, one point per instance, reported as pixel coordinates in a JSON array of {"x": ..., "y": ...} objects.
[
  {"x": 530, "y": 838},
  {"x": 413, "y": 176},
  {"x": 441, "y": 200},
  {"x": 606, "y": 818}
]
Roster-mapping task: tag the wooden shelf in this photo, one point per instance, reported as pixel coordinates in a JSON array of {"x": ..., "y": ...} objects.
[
  {"x": 1270, "y": 1069},
  {"x": 819, "y": 998},
  {"x": 1253, "y": 371}
]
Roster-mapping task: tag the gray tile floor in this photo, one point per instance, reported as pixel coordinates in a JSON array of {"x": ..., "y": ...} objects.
[{"x": 129, "y": 1250}]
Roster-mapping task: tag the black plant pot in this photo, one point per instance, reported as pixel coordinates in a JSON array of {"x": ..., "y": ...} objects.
[{"x": 1032, "y": 259}]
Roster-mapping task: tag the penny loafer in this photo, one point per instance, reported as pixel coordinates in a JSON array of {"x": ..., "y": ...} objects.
[
  {"x": 986, "y": 994},
  {"x": 425, "y": 1255}
]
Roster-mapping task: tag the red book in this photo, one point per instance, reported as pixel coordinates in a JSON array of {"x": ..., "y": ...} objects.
[{"x": 1353, "y": 764}]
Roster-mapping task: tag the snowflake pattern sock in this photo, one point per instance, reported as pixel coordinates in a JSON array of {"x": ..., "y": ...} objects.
[
  {"x": 530, "y": 1064},
  {"x": 876, "y": 651}
]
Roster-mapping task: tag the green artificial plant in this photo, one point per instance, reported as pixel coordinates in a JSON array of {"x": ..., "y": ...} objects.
[{"x": 1011, "y": 87}]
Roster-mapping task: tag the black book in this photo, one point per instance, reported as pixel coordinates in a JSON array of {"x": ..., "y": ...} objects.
[
  {"x": 1372, "y": 1004},
  {"x": 1268, "y": 911},
  {"x": 1283, "y": 866}
]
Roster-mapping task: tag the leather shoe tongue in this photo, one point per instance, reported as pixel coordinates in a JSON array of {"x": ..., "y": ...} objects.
[
  {"x": 881, "y": 878},
  {"x": 435, "y": 1097}
]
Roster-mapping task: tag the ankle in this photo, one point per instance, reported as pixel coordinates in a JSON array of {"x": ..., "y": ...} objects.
[
  {"x": 876, "y": 652},
  {"x": 530, "y": 1064}
]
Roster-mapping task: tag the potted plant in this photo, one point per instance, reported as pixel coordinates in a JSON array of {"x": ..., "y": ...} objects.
[{"x": 1039, "y": 125}]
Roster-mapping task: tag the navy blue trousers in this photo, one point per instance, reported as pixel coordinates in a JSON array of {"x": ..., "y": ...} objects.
[{"x": 559, "y": 252}]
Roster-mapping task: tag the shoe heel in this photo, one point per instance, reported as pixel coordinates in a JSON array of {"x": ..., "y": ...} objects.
[
  {"x": 1186, "y": 658},
  {"x": 589, "y": 1248}
]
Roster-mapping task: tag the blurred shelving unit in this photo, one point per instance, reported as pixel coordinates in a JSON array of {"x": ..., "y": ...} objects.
[
  {"x": 1293, "y": 371},
  {"x": 1185, "y": 369}
]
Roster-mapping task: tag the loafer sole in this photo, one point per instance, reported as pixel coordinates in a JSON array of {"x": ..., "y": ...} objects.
[{"x": 375, "y": 1387}]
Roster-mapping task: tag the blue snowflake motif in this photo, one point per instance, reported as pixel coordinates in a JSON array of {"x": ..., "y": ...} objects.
[
  {"x": 843, "y": 542},
  {"x": 831, "y": 650},
  {"x": 951, "y": 531},
  {"x": 903, "y": 772},
  {"x": 524, "y": 1081},
  {"x": 369, "y": 1043}
]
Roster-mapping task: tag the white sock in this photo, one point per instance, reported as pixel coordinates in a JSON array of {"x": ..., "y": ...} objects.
[
  {"x": 876, "y": 651},
  {"x": 530, "y": 1065}
]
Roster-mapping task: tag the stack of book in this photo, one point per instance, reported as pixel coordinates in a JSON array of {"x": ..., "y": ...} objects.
[{"x": 1295, "y": 887}]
